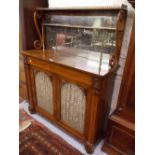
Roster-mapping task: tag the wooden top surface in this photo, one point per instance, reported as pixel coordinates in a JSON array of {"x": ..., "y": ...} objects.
[
  {"x": 82, "y": 60},
  {"x": 81, "y": 8},
  {"x": 124, "y": 122}
]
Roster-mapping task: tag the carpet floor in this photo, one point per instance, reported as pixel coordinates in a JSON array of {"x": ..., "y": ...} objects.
[{"x": 36, "y": 139}]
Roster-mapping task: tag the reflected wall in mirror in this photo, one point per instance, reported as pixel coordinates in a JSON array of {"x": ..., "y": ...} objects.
[
  {"x": 88, "y": 39},
  {"x": 92, "y": 33}
]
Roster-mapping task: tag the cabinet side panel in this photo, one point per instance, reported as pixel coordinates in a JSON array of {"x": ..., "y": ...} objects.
[
  {"x": 73, "y": 104},
  {"x": 44, "y": 92}
]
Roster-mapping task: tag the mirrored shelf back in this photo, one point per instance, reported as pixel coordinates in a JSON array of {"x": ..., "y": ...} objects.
[{"x": 97, "y": 29}]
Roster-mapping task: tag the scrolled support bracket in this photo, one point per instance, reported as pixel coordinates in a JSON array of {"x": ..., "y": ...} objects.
[{"x": 38, "y": 44}]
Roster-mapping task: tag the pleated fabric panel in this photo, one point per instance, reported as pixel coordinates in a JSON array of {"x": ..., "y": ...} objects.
[
  {"x": 73, "y": 104},
  {"x": 44, "y": 92}
]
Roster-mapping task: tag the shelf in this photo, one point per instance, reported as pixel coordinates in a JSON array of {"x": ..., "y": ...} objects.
[
  {"x": 79, "y": 26},
  {"x": 103, "y": 8}
]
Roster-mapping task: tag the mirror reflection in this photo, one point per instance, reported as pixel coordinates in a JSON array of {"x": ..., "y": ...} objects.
[{"x": 92, "y": 33}]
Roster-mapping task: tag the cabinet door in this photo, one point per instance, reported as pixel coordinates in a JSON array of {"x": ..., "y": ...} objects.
[
  {"x": 44, "y": 91},
  {"x": 73, "y": 106}
]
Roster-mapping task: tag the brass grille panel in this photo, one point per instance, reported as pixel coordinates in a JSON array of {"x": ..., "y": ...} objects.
[
  {"x": 44, "y": 92},
  {"x": 73, "y": 103}
]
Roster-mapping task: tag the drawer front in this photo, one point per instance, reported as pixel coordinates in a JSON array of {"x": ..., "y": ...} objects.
[
  {"x": 62, "y": 71},
  {"x": 122, "y": 140}
]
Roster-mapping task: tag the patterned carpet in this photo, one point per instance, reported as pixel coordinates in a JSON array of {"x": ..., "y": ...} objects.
[{"x": 38, "y": 140}]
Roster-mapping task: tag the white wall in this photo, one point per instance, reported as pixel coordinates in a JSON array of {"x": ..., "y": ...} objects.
[{"x": 70, "y": 3}]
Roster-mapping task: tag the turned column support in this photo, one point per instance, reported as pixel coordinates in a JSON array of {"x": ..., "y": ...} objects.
[
  {"x": 28, "y": 85},
  {"x": 32, "y": 109},
  {"x": 96, "y": 86},
  {"x": 89, "y": 147},
  {"x": 91, "y": 128}
]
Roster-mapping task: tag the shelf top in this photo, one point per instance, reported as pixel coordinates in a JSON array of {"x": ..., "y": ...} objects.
[
  {"x": 83, "y": 60},
  {"x": 115, "y": 8}
]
